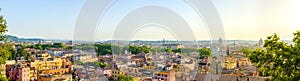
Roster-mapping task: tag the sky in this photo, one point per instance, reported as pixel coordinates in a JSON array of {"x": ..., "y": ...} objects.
[{"x": 242, "y": 19}]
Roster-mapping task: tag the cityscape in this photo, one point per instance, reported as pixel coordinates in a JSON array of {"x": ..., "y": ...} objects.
[{"x": 158, "y": 40}]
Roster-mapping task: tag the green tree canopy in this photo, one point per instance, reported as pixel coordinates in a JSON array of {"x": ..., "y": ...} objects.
[
  {"x": 124, "y": 78},
  {"x": 177, "y": 50},
  {"x": 278, "y": 59},
  {"x": 102, "y": 64},
  {"x": 168, "y": 50},
  {"x": 12, "y": 51},
  {"x": 139, "y": 49},
  {"x": 4, "y": 47},
  {"x": 146, "y": 49},
  {"x": 3, "y": 28},
  {"x": 21, "y": 52},
  {"x": 58, "y": 45},
  {"x": 205, "y": 52},
  {"x": 4, "y": 51},
  {"x": 46, "y": 46},
  {"x": 246, "y": 51},
  {"x": 103, "y": 49},
  {"x": 84, "y": 46},
  {"x": 39, "y": 46}
]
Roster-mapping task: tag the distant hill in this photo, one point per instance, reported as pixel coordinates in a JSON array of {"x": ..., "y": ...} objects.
[{"x": 16, "y": 39}]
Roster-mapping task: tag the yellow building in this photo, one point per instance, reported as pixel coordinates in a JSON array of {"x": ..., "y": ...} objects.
[
  {"x": 32, "y": 74},
  {"x": 172, "y": 46},
  {"x": 49, "y": 68},
  {"x": 62, "y": 74},
  {"x": 49, "y": 63},
  {"x": 64, "y": 77},
  {"x": 44, "y": 55},
  {"x": 57, "y": 71},
  {"x": 230, "y": 63},
  {"x": 243, "y": 62},
  {"x": 149, "y": 67},
  {"x": 117, "y": 72},
  {"x": 230, "y": 59},
  {"x": 2, "y": 70},
  {"x": 136, "y": 79}
]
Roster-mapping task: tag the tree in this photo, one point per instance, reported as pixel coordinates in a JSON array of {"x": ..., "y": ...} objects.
[
  {"x": 103, "y": 49},
  {"x": 124, "y": 78},
  {"x": 116, "y": 49},
  {"x": 246, "y": 51},
  {"x": 177, "y": 50},
  {"x": 46, "y": 46},
  {"x": 205, "y": 52},
  {"x": 39, "y": 46},
  {"x": 146, "y": 49},
  {"x": 102, "y": 64},
  {"x": 13, "y": 52},
  {"x": 69, "y": 47},
  {"x": 137, "y": 49},
  {"x": 58, "y": 45},
  {"x": 21, "y": 52},
  {"x": 278, "y": 59},
  {"x": 168, "y": 50},
  {"x": 4, "y": 51},
  {"x": 3, "y": 28}
]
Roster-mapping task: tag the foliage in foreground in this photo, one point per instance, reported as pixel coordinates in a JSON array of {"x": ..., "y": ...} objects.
[
  {"x": 5, "y": 47},
  {"x": 279, "y": 59}
]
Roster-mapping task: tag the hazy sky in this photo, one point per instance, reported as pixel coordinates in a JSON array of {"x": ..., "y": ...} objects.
[{"x": 242, "y": 19}]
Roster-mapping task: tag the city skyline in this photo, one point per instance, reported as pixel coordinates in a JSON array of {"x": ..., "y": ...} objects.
[
  {"x": 242, "y": 20},
  {"x": 150, "y": 40}
]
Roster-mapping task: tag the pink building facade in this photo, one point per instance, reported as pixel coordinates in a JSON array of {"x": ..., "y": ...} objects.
[{"x": 17, "y": 73}]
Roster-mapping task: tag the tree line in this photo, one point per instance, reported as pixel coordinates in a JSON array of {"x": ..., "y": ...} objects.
[
  {"x": 103, "y": 49},
  {"x": 47, "y": 46}
]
